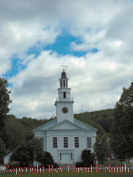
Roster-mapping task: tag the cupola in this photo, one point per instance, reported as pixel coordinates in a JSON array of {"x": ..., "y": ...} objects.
[{"x": 63, "y": 80}]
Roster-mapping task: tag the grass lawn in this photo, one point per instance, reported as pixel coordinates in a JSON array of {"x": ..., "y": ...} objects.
[
  {"x": 66, "y": 174},
  {"x": 116, "y": 162}
]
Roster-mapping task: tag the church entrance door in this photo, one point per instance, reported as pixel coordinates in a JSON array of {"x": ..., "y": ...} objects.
[{"x": 65, "y": 158}]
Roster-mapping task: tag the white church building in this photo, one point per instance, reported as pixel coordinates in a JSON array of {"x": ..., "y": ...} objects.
[{"x": 65, "y": 137}]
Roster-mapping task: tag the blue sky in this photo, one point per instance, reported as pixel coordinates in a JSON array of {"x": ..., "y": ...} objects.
[
  {"x": 93, "y": 38},
  {"x": 62, "y": 46}
]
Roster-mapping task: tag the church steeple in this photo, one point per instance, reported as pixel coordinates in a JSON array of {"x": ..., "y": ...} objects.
[
  {"x": 63, "y": 80},
  {"x": 64, "y": 103}
]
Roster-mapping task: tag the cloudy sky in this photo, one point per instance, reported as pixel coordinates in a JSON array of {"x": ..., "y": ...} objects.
[{"x": 93, "y": 38}]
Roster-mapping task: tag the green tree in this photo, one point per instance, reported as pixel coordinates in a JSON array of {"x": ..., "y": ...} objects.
[
  {"x": 87, "y": 157},
  {"x": 101, "y": 148},
  {"x": 45, "y": 158},
  {"x": 29, "y": 135},
  {"x": 23, "y": 154},
  {"x": 37, "y": 147},
  {"x": 31, "y": 123},
  {"x": 14, "y": 134},
  {"x": 122, "y": 129},
  {"x": 2, "y": 150},
  {"x": 26, "y": 153},
  {"x": 4, "y": 102}
]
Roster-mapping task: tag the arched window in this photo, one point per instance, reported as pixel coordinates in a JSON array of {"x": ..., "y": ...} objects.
[
  {"x": 64, "y": 83},
  {"x": 64, "y": 94}
]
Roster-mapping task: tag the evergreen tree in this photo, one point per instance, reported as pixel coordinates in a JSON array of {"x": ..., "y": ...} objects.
[{"x": 122, "y": 129}]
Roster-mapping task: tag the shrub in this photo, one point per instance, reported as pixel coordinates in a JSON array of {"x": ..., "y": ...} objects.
[
  {"x": 55, "y": 165},
  {"x": 13, "y": 164},
  {"x": 87, "y": 157},
  {"x": 23, "y": 154},
  {"x": 79, "y": 164},
  {"x": 45, "y": 158},
  {"x": 83, "y": 164}
]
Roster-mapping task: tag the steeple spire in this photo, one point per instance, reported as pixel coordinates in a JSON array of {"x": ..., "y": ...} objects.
[{"x": 63, "y": 80}]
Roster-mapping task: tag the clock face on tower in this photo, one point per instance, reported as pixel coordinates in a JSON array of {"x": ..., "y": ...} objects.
[{"x": 65, "y": 110}]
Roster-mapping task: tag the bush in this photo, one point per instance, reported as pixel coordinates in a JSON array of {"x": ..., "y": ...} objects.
[
  {"x": 45, "y": 158},
  {"x": 80, "y": 164},
  {"x": 13, "y": 164},
  {"x": 55, "y": 165},
  {"x": 83, "y": 164},
  {"x": 23, "y": 154},
  {"x": 87, "y": 157}
]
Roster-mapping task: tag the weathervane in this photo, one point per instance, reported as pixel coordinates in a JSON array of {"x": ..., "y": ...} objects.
[{"x": 64, "y": 67}]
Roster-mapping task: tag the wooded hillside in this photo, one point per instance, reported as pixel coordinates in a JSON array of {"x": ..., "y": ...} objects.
[
  {"x": 17, "y": 130},
  {"x": 100, "y": 119}
]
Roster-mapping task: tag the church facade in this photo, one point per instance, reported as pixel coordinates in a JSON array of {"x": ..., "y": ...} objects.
[{"x": 65, "y": 137}]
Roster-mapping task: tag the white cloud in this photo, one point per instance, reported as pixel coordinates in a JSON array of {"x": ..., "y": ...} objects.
[
  {"x": 35, "y": 88},
  {"x": 96, "y": 79},
  {"x": 18, "y": 37}
]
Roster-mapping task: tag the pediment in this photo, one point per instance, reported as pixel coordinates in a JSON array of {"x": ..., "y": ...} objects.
[{"x": 65, "y": 125}]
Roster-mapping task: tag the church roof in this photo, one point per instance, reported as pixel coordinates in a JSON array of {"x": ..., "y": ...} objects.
[
  {"x": 76, "y": 125},
  {"x": 46, "y": 125}
]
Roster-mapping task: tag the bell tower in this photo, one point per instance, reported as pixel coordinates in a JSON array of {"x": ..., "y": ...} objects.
[{"x": 64, "y": 103}]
